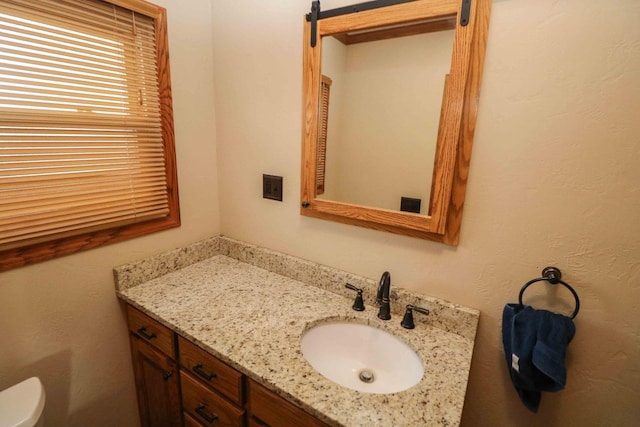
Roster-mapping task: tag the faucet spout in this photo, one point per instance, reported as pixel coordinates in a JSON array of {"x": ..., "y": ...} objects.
[{"x": 382, "y": 297}]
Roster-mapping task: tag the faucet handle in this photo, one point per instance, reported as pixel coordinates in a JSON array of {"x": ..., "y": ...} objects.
[
  {"x": 358, "y": 304},
  {"x": 407, "y": 320}
]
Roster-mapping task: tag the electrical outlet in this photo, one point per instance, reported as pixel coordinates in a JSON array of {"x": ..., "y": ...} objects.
[
  {"x": 408, "y": 204},
  {"x": 272, "y": 187}
]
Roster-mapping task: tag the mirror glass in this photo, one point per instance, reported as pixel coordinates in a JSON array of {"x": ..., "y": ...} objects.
[{"x": 384, "y": 106}]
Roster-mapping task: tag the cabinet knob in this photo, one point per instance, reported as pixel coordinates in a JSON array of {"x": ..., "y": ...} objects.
[{"x": 167, "y": 375}]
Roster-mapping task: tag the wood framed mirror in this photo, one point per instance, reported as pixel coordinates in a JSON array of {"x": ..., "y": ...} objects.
[{"x": 440, "y": 217}]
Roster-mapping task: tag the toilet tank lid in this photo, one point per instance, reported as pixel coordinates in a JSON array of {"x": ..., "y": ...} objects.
[{"x": 21, "y": 405}]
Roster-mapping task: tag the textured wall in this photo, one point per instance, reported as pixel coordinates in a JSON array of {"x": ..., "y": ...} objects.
[
  {"x": 554, "y": 180},
  {"x": 60, "y": 320}
]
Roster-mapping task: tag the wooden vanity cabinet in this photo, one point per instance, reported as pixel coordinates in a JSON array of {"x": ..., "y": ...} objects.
[
  {"x": 178, "y": 384},
  {"x": 155, "y": 371}
]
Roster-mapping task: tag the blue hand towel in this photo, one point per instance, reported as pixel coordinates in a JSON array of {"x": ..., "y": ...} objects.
[{"x": 535, "y": 344}]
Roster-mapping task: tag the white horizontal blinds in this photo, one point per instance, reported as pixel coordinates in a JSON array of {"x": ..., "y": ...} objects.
[{"x": 81, "y": 147}]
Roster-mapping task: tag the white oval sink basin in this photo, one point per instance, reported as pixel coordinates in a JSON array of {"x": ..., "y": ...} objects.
[{"x": 361, "y": 357}]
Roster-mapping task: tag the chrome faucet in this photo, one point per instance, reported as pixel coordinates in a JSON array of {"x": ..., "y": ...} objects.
[{"x": 382, "y": 298}]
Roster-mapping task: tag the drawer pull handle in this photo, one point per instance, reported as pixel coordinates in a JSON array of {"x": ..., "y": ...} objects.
[
  {"x": 198, "y": 370},
  {"x": 167, "y": 375},
  {"x": 143, "y": 331},
  {"x": 209, "y": 417}
]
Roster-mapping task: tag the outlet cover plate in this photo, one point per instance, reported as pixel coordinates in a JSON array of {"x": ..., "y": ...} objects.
[
  {"x": 409, "y": 204},
  {"x": 272, "y": 187}
]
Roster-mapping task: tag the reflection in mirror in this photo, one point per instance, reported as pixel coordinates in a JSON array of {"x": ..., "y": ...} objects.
[
  {"x": 383, "y": 115},
  {"x": 360, "y": 159}
]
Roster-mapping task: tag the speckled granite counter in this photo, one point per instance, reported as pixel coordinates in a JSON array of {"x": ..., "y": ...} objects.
[{"x": 249, "y": 306}]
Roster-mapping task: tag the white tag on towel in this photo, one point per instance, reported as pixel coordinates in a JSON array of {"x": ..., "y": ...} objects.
[{"x": 515, "y": 362}]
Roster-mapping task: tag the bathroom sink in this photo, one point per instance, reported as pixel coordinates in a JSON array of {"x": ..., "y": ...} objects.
[{"x": 361, "y": 357}]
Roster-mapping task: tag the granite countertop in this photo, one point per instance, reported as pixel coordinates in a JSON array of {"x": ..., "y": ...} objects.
[{"x": 253, "y": 319}]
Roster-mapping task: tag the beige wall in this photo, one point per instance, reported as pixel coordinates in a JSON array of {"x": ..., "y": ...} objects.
[
  {"x": 553, "y": 180},
  {"x": 60, "y": 320}
]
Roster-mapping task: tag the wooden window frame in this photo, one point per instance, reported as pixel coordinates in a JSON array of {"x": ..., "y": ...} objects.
[{"x": 37, "y": 252}]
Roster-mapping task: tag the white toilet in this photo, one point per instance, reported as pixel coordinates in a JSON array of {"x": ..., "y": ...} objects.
[{"x": 22, "y": 404}]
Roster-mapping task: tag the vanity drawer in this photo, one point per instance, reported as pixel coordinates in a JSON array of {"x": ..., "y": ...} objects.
[
  {"x": 189, "y": 421},
  {"x": 206, "y": 406},
  {"x": 274, "y": 411},
  {"x": 211, "y": 371},
  {"x": 151, "y": 331}
]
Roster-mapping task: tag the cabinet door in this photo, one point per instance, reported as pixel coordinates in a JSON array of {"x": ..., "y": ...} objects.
[{"x": 157, "y": 384}]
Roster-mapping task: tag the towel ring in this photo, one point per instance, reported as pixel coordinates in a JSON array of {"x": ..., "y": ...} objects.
[{"x": 553, "y": 276}]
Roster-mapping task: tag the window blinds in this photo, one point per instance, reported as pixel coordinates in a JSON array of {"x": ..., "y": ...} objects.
[
  {"x": 323, "y": 127},
  {"x": 81, "y": 145}
]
